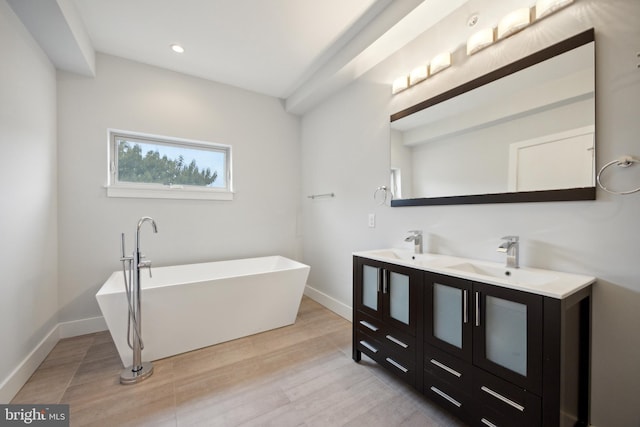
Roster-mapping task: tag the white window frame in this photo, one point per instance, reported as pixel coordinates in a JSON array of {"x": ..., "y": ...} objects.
[{"x": 116, "y": 188}]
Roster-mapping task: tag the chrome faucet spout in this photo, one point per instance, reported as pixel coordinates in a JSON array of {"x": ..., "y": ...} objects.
[
  {"x": 140, "y": 222},
  {"x": 416, "y": 238},
  {"x": 139, "y": 263},
  {"x": 511, "y": 247}
]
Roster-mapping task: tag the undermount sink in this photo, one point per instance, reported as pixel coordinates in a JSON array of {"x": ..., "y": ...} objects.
[{"x": 515, "y": 274}]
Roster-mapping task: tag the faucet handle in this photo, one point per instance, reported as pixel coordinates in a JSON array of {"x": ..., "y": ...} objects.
[
  {"x": 122, "y": 245},
  {"x": 416, "y": 232},
  {"x": 145, "y": 264},
  {"x": 512, "y": 239}
]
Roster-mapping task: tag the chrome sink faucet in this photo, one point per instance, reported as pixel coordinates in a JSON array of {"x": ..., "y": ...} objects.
[
  {"x": 511, "y": 248},
  {"x": 416, "y": 237}
]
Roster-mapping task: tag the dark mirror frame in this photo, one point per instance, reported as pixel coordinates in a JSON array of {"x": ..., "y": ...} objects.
[{"x": 571, "y": 194}]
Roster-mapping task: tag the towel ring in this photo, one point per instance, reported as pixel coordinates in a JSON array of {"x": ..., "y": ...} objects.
[
  {"x": 385, "y": 191},
  {"x": 625, "y": 162}
]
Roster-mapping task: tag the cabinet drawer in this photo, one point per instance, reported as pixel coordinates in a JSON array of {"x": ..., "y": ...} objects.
[
  {"x": 368, "y": 344},
  {"x": 448, "y": 369},
  {"x": 503, "y": 404},
  {"x": 403, "y": 369},
  {"x": 369, "y": 325},
  {"x": 400, "y": 345},
  {"x": 449, "y": 397}
]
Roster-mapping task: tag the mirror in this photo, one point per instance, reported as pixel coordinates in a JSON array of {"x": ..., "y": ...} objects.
[{"x": 522, "y": 133}]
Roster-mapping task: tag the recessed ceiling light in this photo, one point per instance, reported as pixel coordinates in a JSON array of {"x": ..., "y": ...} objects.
[{"x": 177, "y": 48}]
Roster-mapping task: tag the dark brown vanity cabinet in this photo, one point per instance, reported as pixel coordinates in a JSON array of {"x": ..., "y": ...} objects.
[
  {"x": 470, "y": 325},
  {"x": 386, "y": 300},
  {"x": 492, "y": 355}
]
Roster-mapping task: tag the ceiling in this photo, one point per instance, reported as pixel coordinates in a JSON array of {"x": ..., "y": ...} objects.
[{"x": 296, "y": 50}]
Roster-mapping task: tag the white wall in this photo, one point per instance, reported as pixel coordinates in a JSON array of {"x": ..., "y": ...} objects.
[
  {"x": 132, "y": 96},
  {"x": 345, "y": 150},
  {"x": 28, "y": 213}
]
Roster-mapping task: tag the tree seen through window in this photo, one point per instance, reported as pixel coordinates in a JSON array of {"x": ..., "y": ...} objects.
[{"x": 144, "y": 163}]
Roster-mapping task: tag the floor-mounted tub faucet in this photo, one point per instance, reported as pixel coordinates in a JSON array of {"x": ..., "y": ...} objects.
[
  {"x": 131, "y": 266},
  {"x": 416, "y": 238},
  {"x": 511, "y": 248}
]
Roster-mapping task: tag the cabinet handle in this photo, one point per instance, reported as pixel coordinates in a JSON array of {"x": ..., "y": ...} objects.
[
  {"x": 445, "y": 396},
  {"x": 385, "y": 281},
  {"x": 380, "y": 275},
  {"x": 397, "y": 365},
  {"x": 369, "y": 346},
  {"x": 477, "y": 308},
  {"x": 487, "y": 422},
  {"x": 502, "y": 398},
  {"x": 446, "y": 368},
  {"x": 368, "y": 325},
  {"x": 397, "y": 341},
  {"x": 465, "y": 306}
]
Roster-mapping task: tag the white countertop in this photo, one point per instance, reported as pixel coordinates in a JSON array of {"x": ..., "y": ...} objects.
[{"x": 549, "y": 283}]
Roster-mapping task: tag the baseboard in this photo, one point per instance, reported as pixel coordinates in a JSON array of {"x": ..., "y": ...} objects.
[
  {"x": 82, "y": 327},
  {"x": 331, "y": 303},
  {"x": 21, "y": 374}
]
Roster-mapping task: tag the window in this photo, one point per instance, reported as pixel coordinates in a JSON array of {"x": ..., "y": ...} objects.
[
  {"x": 154, "y": 166},
  {"x": 396, "y": 183}
]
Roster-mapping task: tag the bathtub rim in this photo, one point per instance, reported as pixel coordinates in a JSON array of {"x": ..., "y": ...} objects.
[{"x": 115, "y": 283}]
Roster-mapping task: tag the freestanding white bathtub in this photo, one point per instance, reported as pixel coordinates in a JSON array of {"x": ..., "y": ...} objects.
[{"x": 187, "y": 307}]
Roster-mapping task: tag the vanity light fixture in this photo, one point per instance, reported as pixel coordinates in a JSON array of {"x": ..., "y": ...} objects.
[
  {"x": 480, "y": 40},
  {"x": 514, "y": 22},
  {"x": 440, "y": 62},
  {"x": 418, "y": 74},
  {"x": 508, "y": 25},
  {"x": 177, "y": 48},
  {"x": 547, "y": 7},
  {"x": 400, "y": 84},
  {"x": 421, "y": 73}
]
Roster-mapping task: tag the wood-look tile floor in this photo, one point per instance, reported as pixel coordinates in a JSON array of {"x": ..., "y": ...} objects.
[{"x": 299, "y": 375}]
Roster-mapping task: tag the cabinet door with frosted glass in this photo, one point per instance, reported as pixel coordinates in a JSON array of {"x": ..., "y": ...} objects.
[
  {"x": 368, "y": 287},
  {"x": 399, "y": 295},
  {"x": 448, "y": 313},
  {"x": 507, "y": 334}
]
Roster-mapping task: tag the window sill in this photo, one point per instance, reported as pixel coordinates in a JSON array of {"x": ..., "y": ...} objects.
[{"x": 168, "y": 193}]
